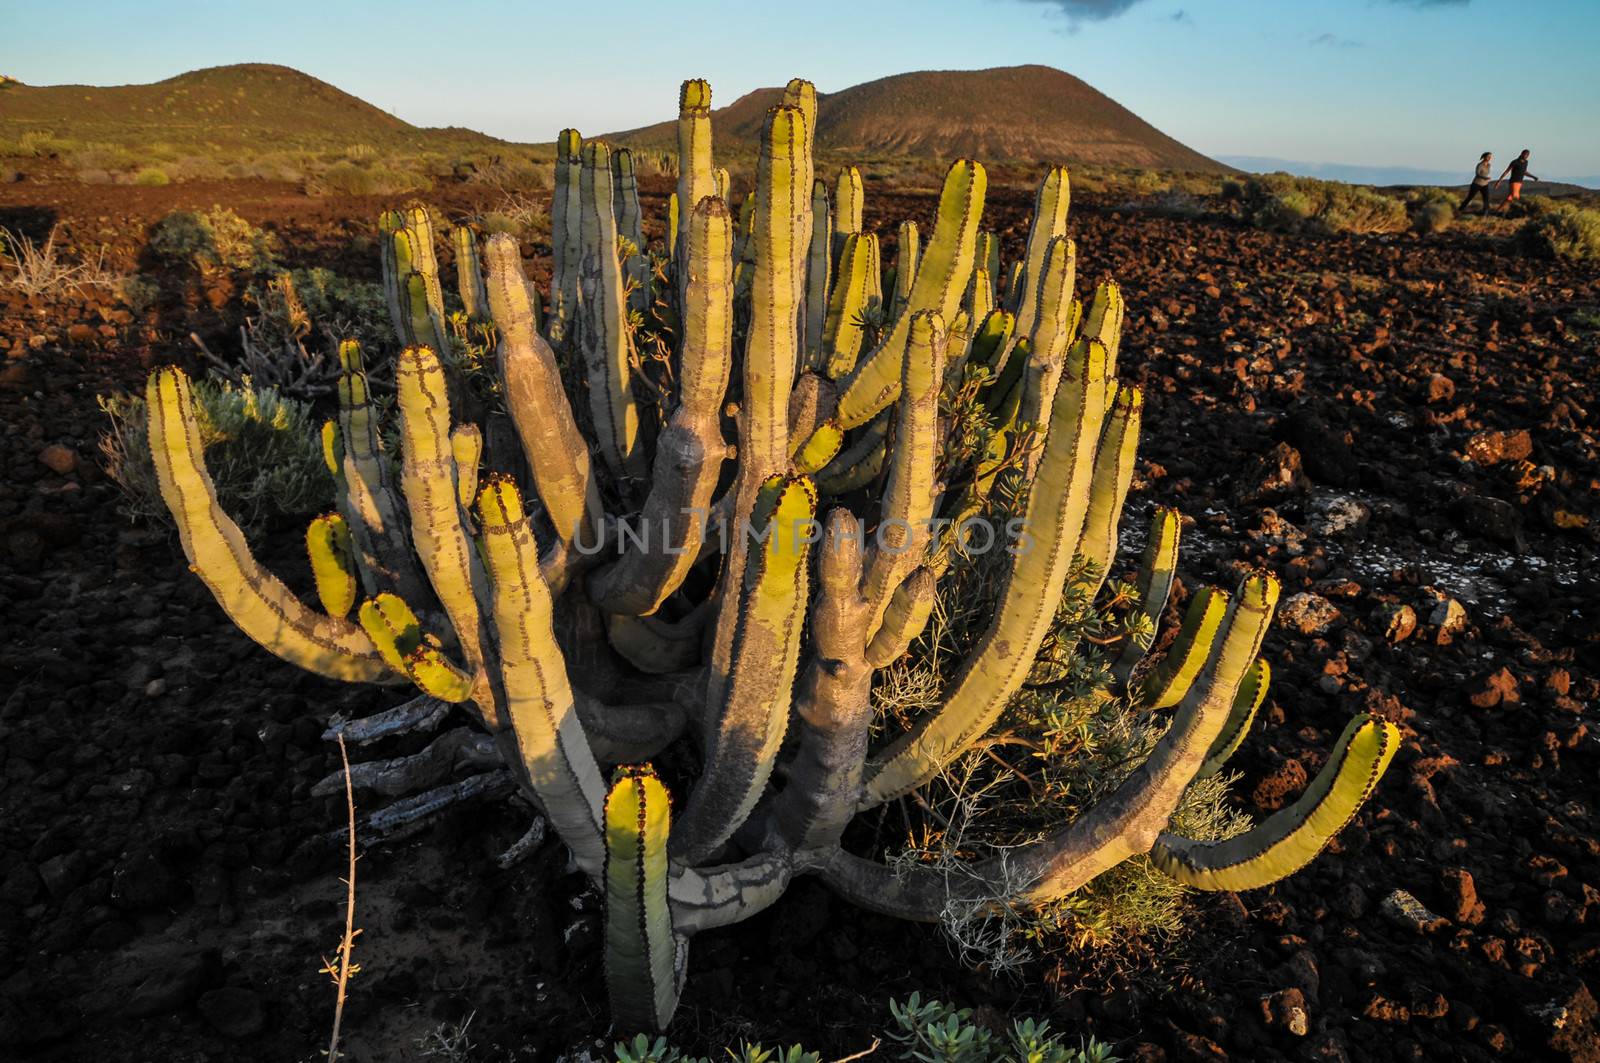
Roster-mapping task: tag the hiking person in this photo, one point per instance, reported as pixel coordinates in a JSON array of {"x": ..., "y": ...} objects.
[
  {"x": 1480, "y": 184},
  {"x": 1517, "y": 170}
]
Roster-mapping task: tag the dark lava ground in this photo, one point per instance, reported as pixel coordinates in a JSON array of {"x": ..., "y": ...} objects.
[{"x": 1391, "y": 424}]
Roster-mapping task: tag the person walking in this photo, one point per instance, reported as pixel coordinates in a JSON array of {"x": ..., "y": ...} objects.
[
  {"x": 1517, "y": 170},
  {"x": 1480, "y": 184}
]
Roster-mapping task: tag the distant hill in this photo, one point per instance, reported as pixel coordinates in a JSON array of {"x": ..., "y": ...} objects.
[
  {"x": 1555, "y": 184},
  {"x": 1024, "y": 113},
  {"x": 254, "y": 105}
]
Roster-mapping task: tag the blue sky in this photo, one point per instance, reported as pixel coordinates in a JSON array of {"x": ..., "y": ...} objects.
[{"x": 1424, "y": 83}]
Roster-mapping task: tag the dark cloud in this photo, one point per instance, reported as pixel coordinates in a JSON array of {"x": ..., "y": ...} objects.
[
  {"x": 1333, "y": 40},
  {"x": 1078, "y": 11},
  {"x": 1181, "y": 17}
]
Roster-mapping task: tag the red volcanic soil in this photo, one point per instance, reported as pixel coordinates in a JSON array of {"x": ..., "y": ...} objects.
[{"x": 1388, "y": 423}]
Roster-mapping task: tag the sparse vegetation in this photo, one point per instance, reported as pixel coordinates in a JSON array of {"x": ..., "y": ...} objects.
[
  {"x": 152, "y": 177},
  {"x": 355, "y": 179},
  {"x": 1068, "y": 743},
  {"x": 1286, "y": 203},
  {"x": 1432, "y": 216},
  {"x": 263, "y": 451},
  {"x": 217, "y": 239},
  {"x": 1562, "y": 230},
  {"x": 923, "y": 1031},
  {"x": 42, "y": 269}
]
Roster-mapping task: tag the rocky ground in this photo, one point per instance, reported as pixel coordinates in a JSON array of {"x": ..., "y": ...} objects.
[{"x": 1404, "y": 429}]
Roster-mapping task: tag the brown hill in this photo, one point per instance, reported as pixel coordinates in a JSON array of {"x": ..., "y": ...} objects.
[
  {"x": 250, "y": 104},
  {"x": 1023, "y": 113}
]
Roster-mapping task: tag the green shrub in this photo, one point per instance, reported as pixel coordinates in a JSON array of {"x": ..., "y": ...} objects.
[
  {"x": 1232, "y": 189},
  {"x": 140, "y": 292},
  {"x": 152, "y": 177},
  {"x": 1562, "y": 230},
  {"x": 923, "y": 1032},
  {"x": 1283, "y": 202},
  {"x": 219, "y": 238},
  {"x": 335, "y": 305},
  {"x": 263, "y": 451},
  {"x": 1432, "y": 217},
  {"x": 346, "y": 178},
  {"x": 1075, "y": 745}
]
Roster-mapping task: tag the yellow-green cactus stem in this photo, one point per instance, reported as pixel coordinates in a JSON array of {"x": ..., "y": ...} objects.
[
  {"x": 858, "y": 464},
  {"x": 543, "y": 736},
  {"x": 696, "y": 174},
  {"x": 605, "y": 341},
  {"x": 641, "y": 955},
  {"x": 469, "y": 275},
  {"x": 395, "y": 630},
  {"x": 1103, "y": 321},
  {"x": 1291, "y": 838},
  {"x": 1252, "y": 694},
  {"x": 1052, "y": 525},
  {"x": 909, "y": 246},
  {"x": 752, "y": 711},
  {"x": 1049, "y": 222},
  {"x": 253, "y": 598},
  {"x": 910, "y": 493},
  {"x": 333, "y": 563},
  {"x": 630, "y": 228},
  {"x": 850, "y": 300},
  {"x": 690, "y": 450},
  {"x": 772, "y": 349},
  {"x": 466, "y": 446},
  {"x": 941, "y": 279},
  {"x": 1166, "y": 684},
  {"x": 820, "y": 448},
  {"x": 1113, "y": 473},
  {"x": 848, "y": 200},
  {"x": 819, "y": 267},
  {"x": 1158, "y": 569},
  {"x": 565, "y": 229},
  {"x": 428, "y": 481},
  {"x": 908, "y": 613},
  {"x": 672, "y": 226}
]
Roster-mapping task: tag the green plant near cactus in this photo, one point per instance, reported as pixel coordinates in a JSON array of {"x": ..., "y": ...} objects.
[
  {"x": 923, "y": 1031},
  {"x": 729, "y": 550},
  {"x": 215, "y": 239},
  {"x": 261, "y": 449}
]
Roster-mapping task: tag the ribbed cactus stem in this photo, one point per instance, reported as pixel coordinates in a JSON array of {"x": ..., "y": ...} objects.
[
  {"x": 253, "y": 598},
  {"x": 642, "y": 958},
  {"x": 469, "y": 275},
  {"x": 852, "y": 298},
  {"x": 690, "y": 451},
  {"x": 537, "y": 402},
  {"x": 603, "y": 336},
  {"x": 941, "y": 279},
  {"x": 770, "y": 355},
  {"x": 544, "y": 737},
  {"x": 849, "y": 198},
  {"x": 819, "y": 267},
  {"x": 565, "y": 234},
  {"x": 1052, "y": 523},
  {"x": 630, "y": 227},
  {"x": 905, "y": 264},
  {"x": 1049, "y": 222},
  {"x": 696, "y": 175}
]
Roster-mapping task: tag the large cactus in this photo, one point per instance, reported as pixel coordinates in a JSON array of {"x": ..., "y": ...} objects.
[{"x": 722, "y": 616}]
